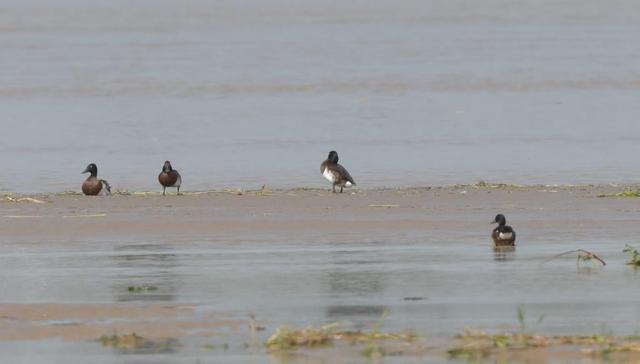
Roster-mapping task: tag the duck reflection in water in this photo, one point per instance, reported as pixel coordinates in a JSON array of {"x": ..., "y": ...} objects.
[
  {"x": 352, "y": 275},
  {"x": 504, "y": 253},
  {"x": 145, "y": 272}
]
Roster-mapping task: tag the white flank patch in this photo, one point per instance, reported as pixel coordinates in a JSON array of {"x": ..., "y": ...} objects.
[
  {"x": 328, "y": 175},
  {"x": 348, "y": 184},
  {"x": 103, "y": 191},
  {"x": 505, "y": 236},
  {"x": 178, "y": 182}
]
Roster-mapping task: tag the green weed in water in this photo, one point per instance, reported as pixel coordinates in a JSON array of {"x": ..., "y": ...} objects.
[
  {"x": 138, "y": 289},
  {"x": 373, "y": 350},
  {"x": 523, "y": 325},
  {"x": 130, "y": 341},
  {"x": 628, "y": 193},
  {"x": 288, "y": 339},
  {"x": 634, "y": 255}
]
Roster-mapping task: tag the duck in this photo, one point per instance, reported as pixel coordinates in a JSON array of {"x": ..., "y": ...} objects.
[
  {"x": 169, "y": 177},
  {"x": 335, "y": 173},
  {"x": 503, "y": 234},
  {"x": 93, "y": 186}
]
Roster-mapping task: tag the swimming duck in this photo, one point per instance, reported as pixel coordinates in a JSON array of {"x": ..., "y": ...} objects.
[
  {"x": 336, "y": 173},
  {"x": 93, "y": 186},
  {"x": 169, "y": 177},
  {"x": 503, "y": 234}
]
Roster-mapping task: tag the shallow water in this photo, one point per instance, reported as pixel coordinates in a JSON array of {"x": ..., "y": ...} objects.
[
  {"x": 243, "y": 93},
  {"x": 437, "y": 289},
  {"x": 239, "y": 94}
]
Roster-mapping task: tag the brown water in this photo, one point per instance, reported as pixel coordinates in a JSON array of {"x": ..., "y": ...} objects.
[
  {"x": 306, "y": 258},
  {"x": 242, "y": 93},
  {"x": 434, "y": 287}
]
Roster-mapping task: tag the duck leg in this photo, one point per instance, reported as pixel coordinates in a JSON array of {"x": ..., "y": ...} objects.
[
  {"x": 164, "y": 189},
  {"x": 334, "y": 188},
  {"x": 341, "y": 187},
  {"x": 178, "y": 193}
]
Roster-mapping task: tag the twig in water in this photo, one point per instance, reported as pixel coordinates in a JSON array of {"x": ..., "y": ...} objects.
[{"x": 583, "y": 255}]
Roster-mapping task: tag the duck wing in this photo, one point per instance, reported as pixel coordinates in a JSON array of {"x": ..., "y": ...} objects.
[
  {"x": 106, "y": 186},
  {"x": 323, "y": 165},
  {"x": 343, "y": 173}
]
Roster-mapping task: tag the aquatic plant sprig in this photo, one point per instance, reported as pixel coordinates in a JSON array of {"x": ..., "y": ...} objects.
[
  {"x": 634, "y": 255},
  {"x": 373, "y": 350}
]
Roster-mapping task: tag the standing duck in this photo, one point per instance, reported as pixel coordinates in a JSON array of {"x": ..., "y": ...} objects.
[
  {"x": 169, "y": 177},
  {"x": 93, "y": 186},
  {"x": 503, "y": 234},
  {"x": 336, "y": 173}
]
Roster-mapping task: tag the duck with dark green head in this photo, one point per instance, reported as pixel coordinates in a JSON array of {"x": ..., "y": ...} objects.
[
  {"x": 503, "y": 234},
  {"x": 335, "y": 173},
  {"x": 93, "y": 186},
  {"x": 169, "y": 177}
]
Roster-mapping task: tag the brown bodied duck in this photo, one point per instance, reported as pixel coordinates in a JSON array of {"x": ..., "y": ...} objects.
[
  {"x": 335, "y": 173},
  {"x": 93, "y": 186},
  {"x": 169, "y": 177},
  {"x": 503, "y": 234}
]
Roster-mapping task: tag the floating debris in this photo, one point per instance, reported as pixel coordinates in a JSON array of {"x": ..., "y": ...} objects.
[
  {"x": 133, "y": 343},
  {"x": 144, "y": 193},
  {"x": 484, "y": 184},
  {"x": 414, "y": 298},
  {"x": 474, "y": 344},
  {"x": 22, "y": 199},
  {"x": 129, "y": 341},
  {"x": 264, "y": 191},
  {"x": 285, "y": 338},
  {"x": 138, "y": 289},
  {"x": 582, "y": 256},
  {"x": 89, "y": 215},
  {"x": 628, "y": 193},
  {"x": 21, "y": 216},
  {"x": 237, "y": 191}
]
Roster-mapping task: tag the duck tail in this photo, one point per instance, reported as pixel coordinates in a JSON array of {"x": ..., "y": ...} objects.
[{"x": 106, "y": 185}]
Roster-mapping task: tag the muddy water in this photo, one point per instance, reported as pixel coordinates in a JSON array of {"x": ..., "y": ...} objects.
[
  {"x": 238, "y": 94},
  {"x": 436, "y": 288}
]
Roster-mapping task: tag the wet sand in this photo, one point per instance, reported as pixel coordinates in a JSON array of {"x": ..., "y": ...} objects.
[
  {"x": 208, "y": 261},
  {"x": 312, "y": 215}
]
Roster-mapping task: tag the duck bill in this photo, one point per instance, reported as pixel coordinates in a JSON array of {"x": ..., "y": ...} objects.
[
  {"x": 86, "y": 170},
  {"x": 493, "y": 222}
]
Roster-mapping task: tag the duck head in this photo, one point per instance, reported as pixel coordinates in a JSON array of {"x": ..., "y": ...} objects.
[
  {"x": 500, "y": 220},
  {"x": 167, "y": 167},
  {"x": 333, "y": 157},
  {"x": 91, "y": 168}
]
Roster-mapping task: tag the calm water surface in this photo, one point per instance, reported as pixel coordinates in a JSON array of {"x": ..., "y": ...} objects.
[
  {"x": 435, "y": 288},
  {"x": 239, "y": 94},
  {"x": 245, "y": 93}
]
